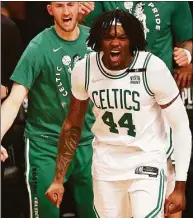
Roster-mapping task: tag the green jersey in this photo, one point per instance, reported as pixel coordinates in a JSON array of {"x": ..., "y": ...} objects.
[
  {"x": 45, "y": 69},
  {"x": 162, "y": 21}
]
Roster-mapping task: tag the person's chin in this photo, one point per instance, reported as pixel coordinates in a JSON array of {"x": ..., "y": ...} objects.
[
  {"x": 68, "y": 28},
  {"x": 115, "y": 66}
]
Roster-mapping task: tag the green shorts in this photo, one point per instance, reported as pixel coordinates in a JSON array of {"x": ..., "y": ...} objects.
[{"x": 40, "y": 168}]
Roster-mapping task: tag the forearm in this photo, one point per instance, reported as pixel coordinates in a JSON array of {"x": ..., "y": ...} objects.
[
  {"x": 69, "y": 136},
  {"x": 182, "y": 152},
  {"x": 180, "y": 186},
  {"x": 178, "y": 120},
  {"x": 9, "y": 111},
  {"x": 68, "y": 142}
]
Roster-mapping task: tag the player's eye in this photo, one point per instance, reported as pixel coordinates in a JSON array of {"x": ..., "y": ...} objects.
[
  {"x": 122, "y": 37},
  {"x": 71, "y": 4},
  {"x": 58, "y": 5},
  {"x": 108, "y": 37}
]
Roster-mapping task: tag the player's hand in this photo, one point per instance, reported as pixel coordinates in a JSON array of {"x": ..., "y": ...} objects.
[
  {"x": 180, "y": 57},
  {"x": 4, "y": 154},
  {"x": 85, "y": 8},
  {"x": 175, "y": 202},
  {"x": 55, "y": 193},
  {"x": 183, "y": 76}
]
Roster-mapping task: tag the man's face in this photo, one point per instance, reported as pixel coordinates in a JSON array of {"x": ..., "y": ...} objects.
[
  {"x": 116, "y": 47},
  {"x": 65, "y": 14}
]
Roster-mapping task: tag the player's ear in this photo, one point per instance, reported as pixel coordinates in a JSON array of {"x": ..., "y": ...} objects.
[{"x": 49, "y": 8}]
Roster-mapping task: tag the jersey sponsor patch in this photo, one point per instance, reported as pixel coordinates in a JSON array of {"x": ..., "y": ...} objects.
[
  {"x": 147, "y": 170},
  {"x": 135, "y": 79}
]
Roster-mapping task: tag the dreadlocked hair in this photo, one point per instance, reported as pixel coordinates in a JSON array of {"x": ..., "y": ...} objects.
[{"x": 132, "y": 26}]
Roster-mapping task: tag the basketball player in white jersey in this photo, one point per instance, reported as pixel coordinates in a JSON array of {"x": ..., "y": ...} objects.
[{"x": 132, "y": 90}]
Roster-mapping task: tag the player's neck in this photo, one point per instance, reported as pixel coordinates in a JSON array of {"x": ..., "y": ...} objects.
[{"x": 69, "y": 36}]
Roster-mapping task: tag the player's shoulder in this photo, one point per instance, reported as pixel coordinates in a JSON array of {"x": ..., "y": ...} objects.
[
  {"x": 151, "y": 62},
  {"x": 142, "y": 54},
  {"x": 80, "y": 63},
  {"x": 92, "y": 55},
  {"x": 42, "y": 38},
  {"x": 84, "y": 61},
  {"x": 150, "y": 57}
]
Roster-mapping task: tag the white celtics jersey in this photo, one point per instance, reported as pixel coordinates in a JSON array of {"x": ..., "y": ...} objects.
[{"x": 126, "y": 102}]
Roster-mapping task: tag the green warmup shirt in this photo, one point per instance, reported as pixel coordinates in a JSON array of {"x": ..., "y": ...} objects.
[
  {"x": 161, "y": 21},
  {"x": 45, "y": 69}
]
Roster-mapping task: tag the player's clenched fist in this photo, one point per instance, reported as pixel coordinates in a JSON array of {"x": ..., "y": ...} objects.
[
  {"x": 175, "y": 202},
  {"x": 55, "y": 193}
]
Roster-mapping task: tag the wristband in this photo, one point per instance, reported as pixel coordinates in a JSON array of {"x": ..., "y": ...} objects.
[{"x": 188, "y": 54}]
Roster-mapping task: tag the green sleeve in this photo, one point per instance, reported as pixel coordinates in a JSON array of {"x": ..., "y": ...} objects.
[
  {"x": 181, "y": 21},
  {"x": 28, "y": 67},
  {"x": 98, "y": 10}
]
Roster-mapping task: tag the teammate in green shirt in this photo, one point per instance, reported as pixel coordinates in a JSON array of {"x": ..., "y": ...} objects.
[
  {"x": 163, "y": 23},
  {"x": 44, "y": 75}
]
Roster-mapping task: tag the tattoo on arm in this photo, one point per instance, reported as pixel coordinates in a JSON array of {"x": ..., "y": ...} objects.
[{"x": 67, "y": 145}]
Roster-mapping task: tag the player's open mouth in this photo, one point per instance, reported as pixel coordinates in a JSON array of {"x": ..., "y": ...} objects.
[
  {"x": 67, "y": 20},
  {"x": 114, "y": 55}
]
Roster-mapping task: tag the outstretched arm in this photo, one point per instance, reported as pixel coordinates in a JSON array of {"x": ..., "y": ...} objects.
[{"x": 68, "y": 141}]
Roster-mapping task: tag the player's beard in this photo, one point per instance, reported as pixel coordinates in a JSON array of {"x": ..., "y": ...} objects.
[{"x": 66, "y": 28}]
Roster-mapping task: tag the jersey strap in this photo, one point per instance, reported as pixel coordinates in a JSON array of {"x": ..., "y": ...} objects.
[
  {"x": 87, "y": 72},
  {"x": 145, "y": 74}
]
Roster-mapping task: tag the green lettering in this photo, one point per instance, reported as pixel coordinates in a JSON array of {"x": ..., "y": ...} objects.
[
  {"x": 102, "y": 99},
  {"x": 121, "y": 98},
  {"x": 108, "y": 100},
  {"x": 115, "y": 97},
  {"x": 95, "y": 93},
  {"x": 134, "y": 96},
  {"x": 125, "y": 99}
]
